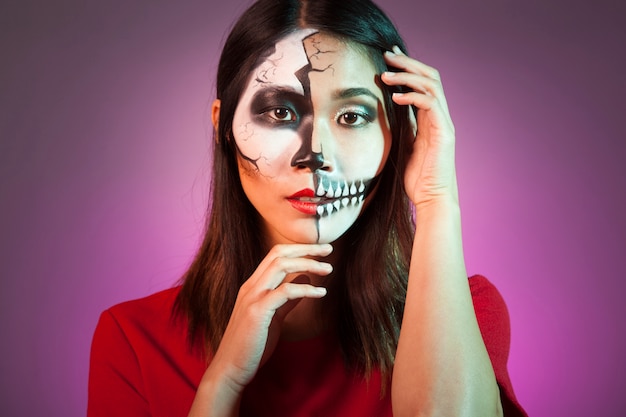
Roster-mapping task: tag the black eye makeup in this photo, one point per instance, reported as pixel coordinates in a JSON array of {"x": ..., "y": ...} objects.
[
  {"x": 279, "y": 106},
  {"x": 281, "y": 114}
]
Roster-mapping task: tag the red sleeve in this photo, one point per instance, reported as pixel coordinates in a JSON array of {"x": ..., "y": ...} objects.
[
  {"x": 115, "y": 381},
  {"x": 495, "y": 327}
]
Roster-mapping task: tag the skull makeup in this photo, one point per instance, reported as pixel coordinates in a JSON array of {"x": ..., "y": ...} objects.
[{"x": 312, "y": 135}]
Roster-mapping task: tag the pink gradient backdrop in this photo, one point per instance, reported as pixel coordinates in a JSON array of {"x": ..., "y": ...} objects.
[{"x": 103, "y": 177}]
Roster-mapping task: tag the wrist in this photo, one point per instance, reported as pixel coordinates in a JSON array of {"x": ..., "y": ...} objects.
[
  {"x": 217, "y": 395},
  {"x": 436, "y": 194},
  {"x": 445, "y": 203}
]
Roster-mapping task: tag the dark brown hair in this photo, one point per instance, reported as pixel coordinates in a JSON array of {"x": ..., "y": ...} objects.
[{"x": 375, "y": 265}]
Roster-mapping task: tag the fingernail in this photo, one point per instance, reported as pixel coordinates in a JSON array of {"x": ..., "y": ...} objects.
[
  {"x": 389, "y": 53},
  {"x": 389, "y": 74},
  {"x": 397, "y": 50},
  {"x": 320, "y": 290}
]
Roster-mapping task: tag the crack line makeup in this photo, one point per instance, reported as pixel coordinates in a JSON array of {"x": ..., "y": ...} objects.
[{"x": 312, "y": 137}]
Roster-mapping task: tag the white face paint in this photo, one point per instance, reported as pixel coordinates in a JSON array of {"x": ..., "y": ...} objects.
[{"x": 312, "y": 134}]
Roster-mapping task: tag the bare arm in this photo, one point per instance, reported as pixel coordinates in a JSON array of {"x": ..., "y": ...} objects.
[{"x": 442, "y": 367}]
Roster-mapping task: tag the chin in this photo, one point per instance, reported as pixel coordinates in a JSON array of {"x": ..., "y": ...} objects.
[
  {"x": 333, "y": 226},
  {"x": 325, "y": 229},
  {"x": 311, "y": 236}
]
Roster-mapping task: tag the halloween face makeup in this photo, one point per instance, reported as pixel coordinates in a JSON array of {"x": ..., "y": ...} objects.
[{"x": 312, "y": 135}]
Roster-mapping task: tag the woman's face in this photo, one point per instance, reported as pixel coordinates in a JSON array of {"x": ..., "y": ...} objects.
[{"x": 312, "y": 135}]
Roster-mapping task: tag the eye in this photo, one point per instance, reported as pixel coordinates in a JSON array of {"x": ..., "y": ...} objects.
[
  {"x": 281, "y": 115},
  {"x": 352, "y": 119}
]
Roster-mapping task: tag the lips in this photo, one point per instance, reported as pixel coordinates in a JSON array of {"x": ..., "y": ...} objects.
[
  {"x": 307, "y": 192},
  {"x": 306, "y": 201}
]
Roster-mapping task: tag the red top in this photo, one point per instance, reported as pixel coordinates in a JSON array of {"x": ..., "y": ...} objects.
[{"x": 141, "y": 365}]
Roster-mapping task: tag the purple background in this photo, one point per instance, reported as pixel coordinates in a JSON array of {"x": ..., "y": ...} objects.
[{"x": 103, "y": 177}]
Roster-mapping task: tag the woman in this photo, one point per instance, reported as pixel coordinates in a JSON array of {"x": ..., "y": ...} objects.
[{"x": 313, "y": 293}]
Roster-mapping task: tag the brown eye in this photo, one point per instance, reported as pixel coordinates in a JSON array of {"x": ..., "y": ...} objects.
[
  {"x": 352, "y": 119},
  {"x": 282, "y": 114}
]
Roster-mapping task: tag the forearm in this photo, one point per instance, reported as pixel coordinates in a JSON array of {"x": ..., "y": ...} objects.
[{"x": 442, "y": 367}]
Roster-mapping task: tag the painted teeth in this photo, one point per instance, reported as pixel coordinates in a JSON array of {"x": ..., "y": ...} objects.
[
  {"x": 320, "y": 189},
  {"x": 336, "y": 205},
  {"x": 330, "y": 193},
  {"x": 329, "y": 189},
  {"x": 343, "y": 194}
]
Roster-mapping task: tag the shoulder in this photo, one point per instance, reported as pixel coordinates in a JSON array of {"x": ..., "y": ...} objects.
[
  {"x": 493, "y": 317},
  {"x": 138, "y": 321},
  {"x": 135, "y": 332},
  {"x": 483, "y": 291},
  {"x": 489, "y": 305},
  {"x": 494, "y": 322},
  {"x": 140, "y": 359},
  {"x": 154, "y": 306}
]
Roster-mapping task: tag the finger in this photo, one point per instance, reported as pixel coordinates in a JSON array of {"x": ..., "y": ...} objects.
[
  {"x": 280, "y": 267},
  {"x": 415, "y": 82},
  {"x": 295, "y": 251},
  {"x": 282, "y": 312},
  {"x": 424, "y": 78},
  {"x": 291, "y": 251},
  {"x": 418, "y": 100},
  {"x": 426, "y": 103},
  {"x": 398, "y": 59},
  {"x": 287, "y": 292}
]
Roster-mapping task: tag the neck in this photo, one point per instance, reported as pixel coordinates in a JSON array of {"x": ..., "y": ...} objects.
[{"x": 311, "y": 317}]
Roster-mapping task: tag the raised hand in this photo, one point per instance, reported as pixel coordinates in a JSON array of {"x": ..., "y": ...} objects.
[
  {"x": 441, "y": 365},
  {"x": 278, "y": 284},
  {"x": 430, "y": 173}
]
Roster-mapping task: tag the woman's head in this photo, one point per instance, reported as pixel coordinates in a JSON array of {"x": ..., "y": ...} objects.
[
  {"x": 304, "y": 119},
  {"x": 312, "y": 136}
]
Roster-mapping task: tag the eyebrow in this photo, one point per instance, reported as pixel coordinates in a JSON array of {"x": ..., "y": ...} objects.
[
  {"x": 354, "y": 92},
  {"x": 274, "y": 92},
  {"x": 277, "y": 89}
]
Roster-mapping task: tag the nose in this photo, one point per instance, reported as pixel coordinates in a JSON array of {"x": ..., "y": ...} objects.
[
  {"x": 310, "y": 155},
  {"x": 308, "y": 159}
]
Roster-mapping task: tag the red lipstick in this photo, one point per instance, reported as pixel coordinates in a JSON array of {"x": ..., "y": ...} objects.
[
  {"x": 305, "y": 201},
  {"x": 307, "y": 192}
]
